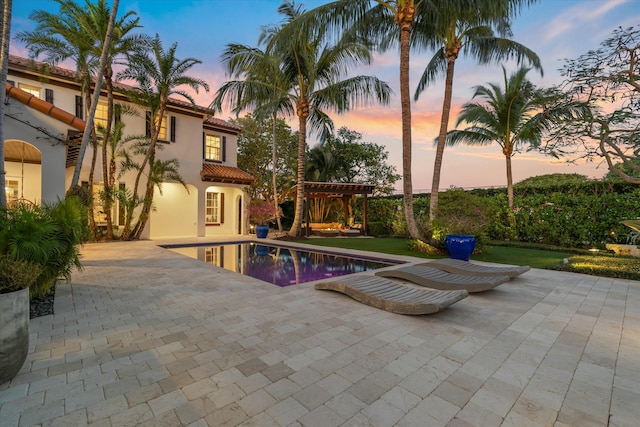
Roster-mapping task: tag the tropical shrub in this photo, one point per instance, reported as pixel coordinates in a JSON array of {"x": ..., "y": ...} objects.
[
  {"x": 17, "y": 274},
  {"x": 262, "y": 212},
  {"x": 575, "y": 214},
  {"x": 460, "y": 212},
  {"x": 377, "y": 228},
  {"x": 47, "y": 236}
]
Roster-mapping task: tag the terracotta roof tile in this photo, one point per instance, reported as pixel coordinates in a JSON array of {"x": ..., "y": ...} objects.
[
  {"x": 224, "y": 174},
  {"x": 31, "y": 66},
  {"x": 45, "y": 107},
  {"x": 213, "y": 121}
]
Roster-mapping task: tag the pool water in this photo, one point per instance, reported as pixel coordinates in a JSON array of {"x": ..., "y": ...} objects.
[{"x": 279, "y": 265}]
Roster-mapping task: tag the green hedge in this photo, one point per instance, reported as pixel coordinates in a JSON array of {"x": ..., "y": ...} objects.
[{"x": 580, "y": 215}]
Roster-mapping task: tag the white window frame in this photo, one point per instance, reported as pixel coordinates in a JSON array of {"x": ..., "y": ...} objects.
[
  {"x": 212, "y": 256},
  {"x": 33, "y": 90},
  {"x": 213, "y": 151},
  {"x": 212, "y": 207},
  {"x": 12, "y": 189},
  {"x": 162, "y": 130},
  {"x": 101, "y": 116}
]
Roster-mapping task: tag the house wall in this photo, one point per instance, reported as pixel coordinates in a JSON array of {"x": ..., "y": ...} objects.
[
  {"x": 176, "y": 212},
  {"x": 22, "y": 125}
]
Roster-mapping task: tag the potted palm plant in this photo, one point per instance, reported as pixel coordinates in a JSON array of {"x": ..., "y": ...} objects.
[
  {"x": 261, "y": 213},
  {"x": 15, "y": 278},
  {"x": 38, "y": 245}
]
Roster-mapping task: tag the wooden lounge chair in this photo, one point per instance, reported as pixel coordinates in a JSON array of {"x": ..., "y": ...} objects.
[
  {"x": 391, "y": 296},
  {"x": 430, "y": 277},
  {"x": 467, "y": 268}
]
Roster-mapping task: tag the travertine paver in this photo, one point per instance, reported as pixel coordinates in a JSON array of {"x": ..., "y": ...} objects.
[{"x": 144, "y": 336}]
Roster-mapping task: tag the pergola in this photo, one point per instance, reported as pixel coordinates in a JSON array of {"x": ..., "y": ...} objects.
[{"x": 337, "y": 190}]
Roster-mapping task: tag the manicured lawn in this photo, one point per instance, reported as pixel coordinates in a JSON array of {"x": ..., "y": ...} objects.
[
  {"x": 597, "y": 264},
  {"x": 397, "y": 246}
]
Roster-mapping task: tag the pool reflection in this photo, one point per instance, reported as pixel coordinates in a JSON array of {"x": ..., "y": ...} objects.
[{"x": 281, "y": 266}]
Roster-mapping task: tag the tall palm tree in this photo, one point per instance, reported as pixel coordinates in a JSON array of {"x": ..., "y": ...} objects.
[
  {"x": 515, "y": 116},
  {"x": 386, "y": 24},
  {"x": 159, "y": 75},
  {"x": 479, "y": 29},
  {"x": 96, "y": 20},
  {"x": 312, "y": 70},
  {"x": 5, "y": 35},
  {"x": 78, "y": 31},
  {"x": 259, "y": 85}
]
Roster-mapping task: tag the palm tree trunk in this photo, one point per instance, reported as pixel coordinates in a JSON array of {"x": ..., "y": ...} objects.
[
  {"x": 405, "y": 103},
  {"x": 150, "y": 158},
  {"x": 509, "y": 182},
  {"x": 442, "y": 136},
  {"x": 302, "y": 142},
  {"x": 274, "y": 159},
  {"x": 108, "y": 190},
  {"x": 4, "y": 63},
  {"x": 92, "y": 201}
]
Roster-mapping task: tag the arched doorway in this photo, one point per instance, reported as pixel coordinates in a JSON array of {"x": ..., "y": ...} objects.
[{"x": 23, "y": 166}]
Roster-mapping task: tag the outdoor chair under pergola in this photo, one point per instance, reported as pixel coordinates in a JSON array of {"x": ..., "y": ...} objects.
[{"x": 336, "y": 190}]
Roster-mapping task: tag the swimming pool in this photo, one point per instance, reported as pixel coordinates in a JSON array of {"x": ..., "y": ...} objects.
[{"x": 278, "y": 264}]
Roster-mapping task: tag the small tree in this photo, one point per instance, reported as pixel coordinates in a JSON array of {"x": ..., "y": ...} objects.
[
  {"x": 515, "y": 116},
  {"x": 159, "y": 75},
  {"x": 606, "y": 80},
  {"x": 262, "y": 212}
]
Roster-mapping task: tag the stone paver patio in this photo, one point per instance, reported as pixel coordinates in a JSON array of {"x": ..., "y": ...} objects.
[{"x": 145, "y": 336}]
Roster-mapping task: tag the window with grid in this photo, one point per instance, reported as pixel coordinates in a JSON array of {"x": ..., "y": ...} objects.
[
  {"x": 33, "y": 90},
  {"x": 212, "y": 208},
  {"x": 100, "y": 119},
  {"x": 211, "y": 256},
  {"x": 162, "y": 132},
  {"x": 212, "y": 147}
]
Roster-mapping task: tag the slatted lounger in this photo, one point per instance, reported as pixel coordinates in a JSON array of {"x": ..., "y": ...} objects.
[
  {"x": 430, "y": 277},
  {"x": 458, "y": 266},
  {"x": 391, "y": 296}
]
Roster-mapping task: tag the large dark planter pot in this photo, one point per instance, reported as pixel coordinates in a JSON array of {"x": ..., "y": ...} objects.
[
  {"x": 14, "y": 333},
  {"x": 460, "y": 246},
  {"x": 262, "y": 231}
]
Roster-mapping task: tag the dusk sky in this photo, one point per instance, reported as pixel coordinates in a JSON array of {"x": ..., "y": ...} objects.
[{"x": 554, "y": 29}]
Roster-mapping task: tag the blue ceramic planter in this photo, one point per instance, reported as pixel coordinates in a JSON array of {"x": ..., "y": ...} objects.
[
  {"x": 460, "y": 246},
  {"x": 262, "y": 231},
  {"x": 262, "y": 250}
]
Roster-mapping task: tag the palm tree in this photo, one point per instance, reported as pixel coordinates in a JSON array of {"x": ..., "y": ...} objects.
[
  {"x": 96, "y": 21},
  {"x": 159, "y": 75},
  {"x": 469, "y": 29},
  {"x": 311, "y": 71},
  {"x": 386, "y": 24},
  {"x": 264, "y": 89},
  {"x": 79, "y": 31},
  {"x": 516, "y": 116},
  {"x": 4, "y": 66}
]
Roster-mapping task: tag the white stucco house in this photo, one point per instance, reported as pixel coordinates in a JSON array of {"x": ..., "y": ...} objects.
[{"x": 43, "y": 127}]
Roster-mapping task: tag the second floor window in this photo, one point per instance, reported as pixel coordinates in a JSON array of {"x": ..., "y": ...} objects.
[
  {"x": 33, "y": 90},
  {"x": 162, "y": 131},
  {"x": 100, "y": 119},
  {"x": 212, "y": 147}
]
